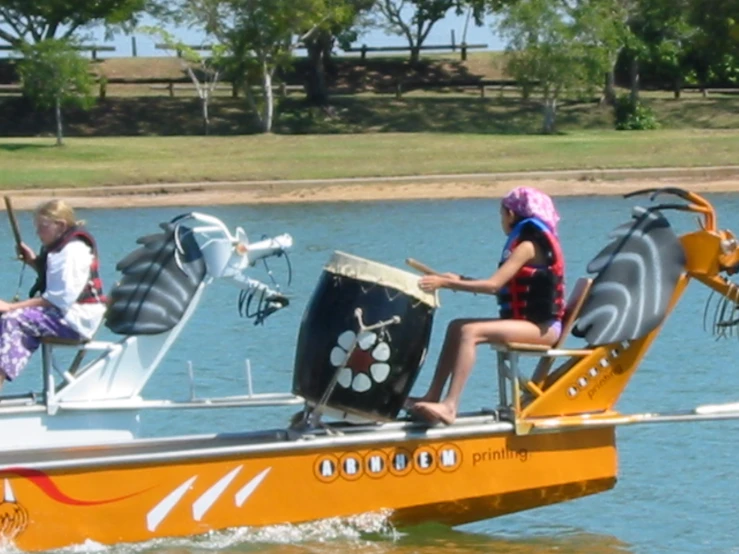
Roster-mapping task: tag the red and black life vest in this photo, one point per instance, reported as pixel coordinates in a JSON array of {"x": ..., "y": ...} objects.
[
  {"x": 536, "y": 292},
  {"x": 93, "y": 291}
]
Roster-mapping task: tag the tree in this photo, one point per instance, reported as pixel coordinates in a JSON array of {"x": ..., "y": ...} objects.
[
  {"x": 30, "y": 21},
  {"x": 603, "y": 25},
  {"x": 341, "y": 27},
  {"x": 414, "y": 19},
  {"x": 548, "y": 44},
  {"x": 204, "y": 72},
  {"x": 665, "y": 35},
  {"x": 714, "y": 52},
  {"x": 54, "y": 75},
  {"x": 260, "y": 36}
]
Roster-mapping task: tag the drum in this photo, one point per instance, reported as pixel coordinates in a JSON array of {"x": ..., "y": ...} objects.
[{"x": 362, "y": 340}]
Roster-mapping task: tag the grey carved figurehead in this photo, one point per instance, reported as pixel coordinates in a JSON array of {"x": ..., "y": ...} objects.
[
  {"x": 635, "y": 278},
  {"x": 156, "y": 288},
  {"x": 161, "y": 278}
]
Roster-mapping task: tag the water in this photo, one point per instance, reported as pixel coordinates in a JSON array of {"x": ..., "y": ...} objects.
[{"x": 677, "y": 482}]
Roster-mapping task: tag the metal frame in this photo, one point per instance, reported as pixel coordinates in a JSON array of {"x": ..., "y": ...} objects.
[
  {"x": 510, "y": 379},
  {"x": 50, "y": 387}
]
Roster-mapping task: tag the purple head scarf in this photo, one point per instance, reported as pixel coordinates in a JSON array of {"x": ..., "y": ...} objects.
[{"x": 530, "y": 202}]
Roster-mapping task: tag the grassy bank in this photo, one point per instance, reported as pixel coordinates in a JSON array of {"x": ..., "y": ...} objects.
[{"x": 33, "y": 162}]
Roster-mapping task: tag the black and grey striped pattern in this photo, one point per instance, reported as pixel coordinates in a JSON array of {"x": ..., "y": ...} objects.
[
  {"x": 636, "y": 275},
  {"x": 159, "y": 280}
]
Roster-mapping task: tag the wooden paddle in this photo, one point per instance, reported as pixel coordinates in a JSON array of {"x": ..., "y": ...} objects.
[
  {"x": 14, "y": 225},
  {"x": 423, "y": 268}
]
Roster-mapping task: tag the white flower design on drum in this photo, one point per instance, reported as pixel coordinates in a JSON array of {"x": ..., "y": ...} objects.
[{"x": 367, "y": 363}]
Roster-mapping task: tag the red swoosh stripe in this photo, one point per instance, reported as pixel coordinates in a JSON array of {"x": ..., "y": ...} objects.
[{"x": 44, "y": 482}]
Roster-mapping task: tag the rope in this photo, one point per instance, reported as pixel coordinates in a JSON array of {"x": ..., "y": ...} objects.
[{"x": 17, "y": 295}]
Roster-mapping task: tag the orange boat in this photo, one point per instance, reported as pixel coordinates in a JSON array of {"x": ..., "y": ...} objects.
[{"x": 350, "y": 451}]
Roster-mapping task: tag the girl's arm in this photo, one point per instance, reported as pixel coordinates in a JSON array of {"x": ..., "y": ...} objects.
[
  {"x": 28, "y": 256},
  {"x": 30, "y": 303},
  {"x": 524, "y": 253}
]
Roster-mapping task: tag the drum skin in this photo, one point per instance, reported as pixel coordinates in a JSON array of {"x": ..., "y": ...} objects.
[{"x": 376, "y": 378}]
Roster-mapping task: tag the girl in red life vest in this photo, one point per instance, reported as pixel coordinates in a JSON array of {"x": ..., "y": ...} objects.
[
  {"x": 530, "y": 290},
  {"x": 70, "y": 302}
]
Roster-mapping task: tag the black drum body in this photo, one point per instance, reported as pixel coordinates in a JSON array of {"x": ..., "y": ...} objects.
[{"x": 363, "y": 337}]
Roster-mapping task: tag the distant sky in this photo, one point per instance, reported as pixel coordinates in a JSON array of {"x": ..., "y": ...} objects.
[{"x": 440, "y": 34}]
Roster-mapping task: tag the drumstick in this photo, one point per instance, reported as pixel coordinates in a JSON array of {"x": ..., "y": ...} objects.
[
  {"x": 13, "y": 224},
  {"x": 423, "y": 268}
]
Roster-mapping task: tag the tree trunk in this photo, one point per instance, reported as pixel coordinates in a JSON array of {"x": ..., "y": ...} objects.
[
  {"x": 550, "y": 114},
  {"x": 701, "y": 70},
  {"x": 206, "y": 118},
  {"x": 415, "y": 54},
  {"x": 634, "y": 72},
  {"x": 677, "y": 87},
  {"x": 268, "y": 109},
  {"x": 204, "y": 89},
  {"x": 318, "y": 52},
  {"x": 58, "y": 113},
  {"x": 609, "y": 91},
  {"x": 526, "y": 89}
]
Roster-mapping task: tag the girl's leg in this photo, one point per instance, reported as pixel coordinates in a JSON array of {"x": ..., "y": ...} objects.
[
  {"x": 21, "y": 332},
  {"x": 444, "y": 364},
  {"x": 471, "y": 334}
]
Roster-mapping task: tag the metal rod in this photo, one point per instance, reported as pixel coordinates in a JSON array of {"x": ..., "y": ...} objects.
[
  {"x": 708, "y": 412},
  {"x": 191, "y": 374},
  {"x": 248, "y": 378}
]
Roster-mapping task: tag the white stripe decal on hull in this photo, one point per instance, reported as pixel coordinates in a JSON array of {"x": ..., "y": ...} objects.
[
  {"x": 204, "y": 503},
  {"x": 161, "y": 510},
  {"x": 9, "y": 494},
  {"x": 246, "y": 491}
]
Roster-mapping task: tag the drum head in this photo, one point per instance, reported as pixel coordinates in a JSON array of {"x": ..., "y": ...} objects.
[{"x": 369, "y": 271}]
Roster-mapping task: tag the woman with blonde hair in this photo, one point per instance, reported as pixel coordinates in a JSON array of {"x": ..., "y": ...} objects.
[{"x": 67, "y": 299}]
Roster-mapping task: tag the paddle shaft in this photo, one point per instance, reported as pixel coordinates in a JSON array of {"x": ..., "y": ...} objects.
[
  {"x": 13, "y": 222},
  {"x": 423, "y": 268}
]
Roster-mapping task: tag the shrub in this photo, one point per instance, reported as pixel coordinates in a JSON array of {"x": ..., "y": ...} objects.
[{"x": 633, "y": 116}]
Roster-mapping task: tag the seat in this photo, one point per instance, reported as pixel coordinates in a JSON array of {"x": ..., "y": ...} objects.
[
  {"x": 575, "y": 302},
  {"x": 508, "y": 353},
  {"x": 47, "y": 357},
  {"x": 58, "y": 341}
]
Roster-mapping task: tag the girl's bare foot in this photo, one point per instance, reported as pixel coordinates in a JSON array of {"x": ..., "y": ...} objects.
[
  {"x": 435, "y": 412},
  {"x": 413, "y": 400}
]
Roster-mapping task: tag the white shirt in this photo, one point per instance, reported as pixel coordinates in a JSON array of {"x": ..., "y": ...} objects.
[{"x": 67, "y": 274}]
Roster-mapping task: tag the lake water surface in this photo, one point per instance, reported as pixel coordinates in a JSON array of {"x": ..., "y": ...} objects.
[{"x": 677, "y": 483}]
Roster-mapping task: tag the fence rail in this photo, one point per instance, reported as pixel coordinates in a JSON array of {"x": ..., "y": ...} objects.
[
  {"x": 92, "y": 48},
  {"x": 463, "y": 47},
  {"x": 171, "y": 87},
  {"x": 198, "y": 47},
  {"x": 401, "y": 86},
  {"x": 363, "y": 50},
  {"x": 398, "y": 86}
]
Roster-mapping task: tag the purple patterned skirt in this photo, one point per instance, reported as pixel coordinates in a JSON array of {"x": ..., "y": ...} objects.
[{"x": 21, "y": 332}]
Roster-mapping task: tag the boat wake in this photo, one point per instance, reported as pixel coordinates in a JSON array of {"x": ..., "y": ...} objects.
[{"x": 349, "y": 533}]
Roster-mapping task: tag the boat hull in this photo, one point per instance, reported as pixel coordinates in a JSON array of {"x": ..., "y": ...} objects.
[{"x": 154, "y": 489}]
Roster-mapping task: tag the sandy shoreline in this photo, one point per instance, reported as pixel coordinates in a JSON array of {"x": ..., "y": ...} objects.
[{"x": 364, "y": 190}]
